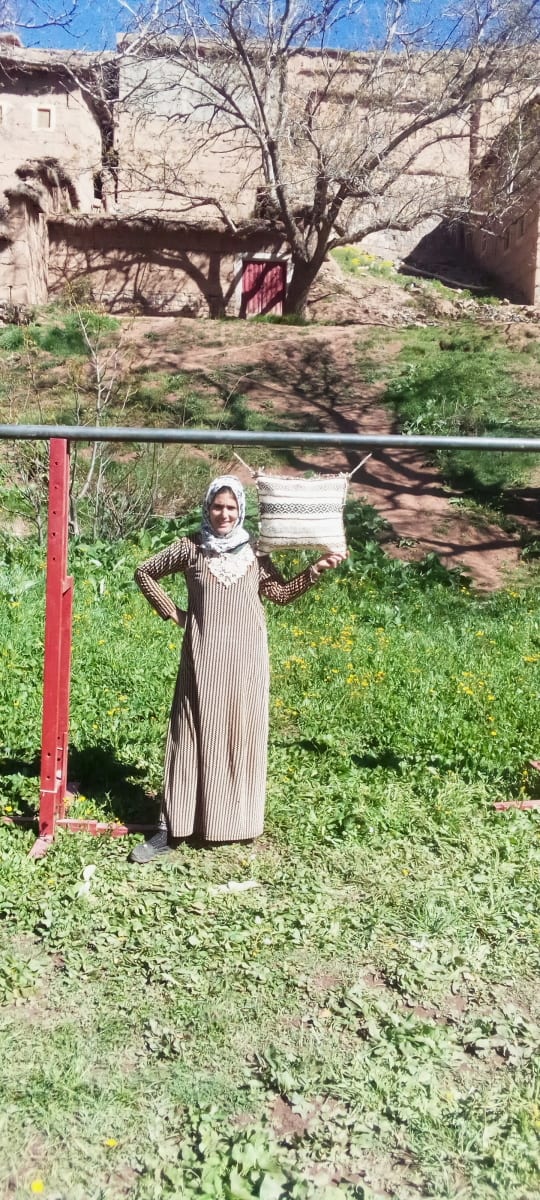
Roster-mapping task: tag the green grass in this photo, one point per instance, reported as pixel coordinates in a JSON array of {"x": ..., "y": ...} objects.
[
  {"x": 365, "y": 1022},
  {"x": 61, "y": 333},
  {"x": 466, "y": 381},
  {"x": 355, "y": 261}
]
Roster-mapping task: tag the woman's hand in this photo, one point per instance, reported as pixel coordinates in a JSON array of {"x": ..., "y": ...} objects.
[
  {"x": 328, "y": 562},
  {"x": 180, "y": 618}
]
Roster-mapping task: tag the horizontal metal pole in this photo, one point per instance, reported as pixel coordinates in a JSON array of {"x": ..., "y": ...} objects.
[{"x": 242, "y": 437}]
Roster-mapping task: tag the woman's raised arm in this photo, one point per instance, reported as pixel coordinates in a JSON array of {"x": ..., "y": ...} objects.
[{"x": 274, "y": 587}]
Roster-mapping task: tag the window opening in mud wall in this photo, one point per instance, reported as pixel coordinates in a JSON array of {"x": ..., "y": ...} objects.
[
  {"x": 43, "y": 118},
  {"x": 506, "y": 239},
  {"x": 521, "y": 227},
  {"x": 109, "y": 164}
]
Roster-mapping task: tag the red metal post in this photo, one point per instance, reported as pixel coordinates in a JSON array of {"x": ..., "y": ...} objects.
[{"x": 57, "y": 659}]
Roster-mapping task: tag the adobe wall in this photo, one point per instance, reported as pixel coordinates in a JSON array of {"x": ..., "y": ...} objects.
[
  {"x": 511, "y": 255},
  {"x": 24, "y": 257},
  {"x": 166, "y": 152},
  {"x": 73, "y": 137},
  {"x": 185, "y": 273}
]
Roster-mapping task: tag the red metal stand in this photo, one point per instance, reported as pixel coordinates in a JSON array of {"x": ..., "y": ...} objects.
[
  {"x": 57, "y": 659},
  {"x": 57, "y": 670},
  {"x": 503, "y": 805}
]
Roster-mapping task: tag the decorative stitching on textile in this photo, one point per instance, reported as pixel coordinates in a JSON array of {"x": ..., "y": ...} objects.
[{"x": 305, "y": 508}]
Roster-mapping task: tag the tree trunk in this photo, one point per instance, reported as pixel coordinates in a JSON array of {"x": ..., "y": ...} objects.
[{"x": 303, "y": 275}]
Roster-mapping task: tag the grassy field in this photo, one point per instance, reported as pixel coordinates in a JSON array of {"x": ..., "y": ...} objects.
[{"x": 363, "y": 1020}]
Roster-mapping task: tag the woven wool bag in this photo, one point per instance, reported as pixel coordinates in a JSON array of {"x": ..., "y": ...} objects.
[{"x": 302, "y": 513}]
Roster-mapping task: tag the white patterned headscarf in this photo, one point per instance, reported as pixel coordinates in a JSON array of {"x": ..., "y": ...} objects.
[{"x": 210, "y": 540}]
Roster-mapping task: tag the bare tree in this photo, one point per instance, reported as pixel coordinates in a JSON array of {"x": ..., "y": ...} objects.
[
  {"x": 32, "y": 15},
  {"x": 246, "y": 107}
]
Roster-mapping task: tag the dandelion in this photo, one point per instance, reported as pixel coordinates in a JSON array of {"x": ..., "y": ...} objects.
[
  {"x": 37, "y": 1186},
  {"x": 480, "y": 633},
  {"x": 405, "y": 871},
  {"x": 172, "y": 646},
  {"x": 110, "y": 1142},
  {"x": 493, "y": 733},
  {"x": 101, "y": 642},
  {"x": 8, "y": 808}
]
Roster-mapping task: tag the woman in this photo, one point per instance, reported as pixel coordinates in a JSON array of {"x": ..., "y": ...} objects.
[{"x": 215, "y": 759}]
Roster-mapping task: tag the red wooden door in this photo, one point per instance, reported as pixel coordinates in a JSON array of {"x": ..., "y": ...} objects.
[{"x": 263, "y": 287}]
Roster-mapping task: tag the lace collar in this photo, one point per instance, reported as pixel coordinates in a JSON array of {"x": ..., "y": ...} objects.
[{"x": 228, "y": 568}]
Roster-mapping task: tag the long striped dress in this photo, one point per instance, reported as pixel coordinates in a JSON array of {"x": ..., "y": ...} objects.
[{"x": 216, "y": 751}]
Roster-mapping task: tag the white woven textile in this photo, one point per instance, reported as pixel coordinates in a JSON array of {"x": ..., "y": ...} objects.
[{"x": 307, "y": 513}]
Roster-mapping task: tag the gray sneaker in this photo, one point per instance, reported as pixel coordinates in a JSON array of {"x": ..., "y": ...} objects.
[{"x": 154, "y": 846}]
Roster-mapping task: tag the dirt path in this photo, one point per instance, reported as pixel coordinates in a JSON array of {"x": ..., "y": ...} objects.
[{"x": 311, "y": 375}]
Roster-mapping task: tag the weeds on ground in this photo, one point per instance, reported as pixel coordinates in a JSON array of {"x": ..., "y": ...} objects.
[{"x": 364, "y": 1017}]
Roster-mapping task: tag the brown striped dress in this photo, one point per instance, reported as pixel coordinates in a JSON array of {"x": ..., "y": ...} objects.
[{"x": 216, "y": 751}]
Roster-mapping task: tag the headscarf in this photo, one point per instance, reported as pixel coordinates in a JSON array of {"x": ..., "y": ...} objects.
[{"x": 210, "y": 540}]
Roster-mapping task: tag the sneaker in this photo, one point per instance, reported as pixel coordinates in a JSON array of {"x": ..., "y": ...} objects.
[{"x": 146, "y": 851}]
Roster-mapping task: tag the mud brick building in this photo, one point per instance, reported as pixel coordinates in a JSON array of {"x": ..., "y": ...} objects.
[{"x": 91, "y": 198}]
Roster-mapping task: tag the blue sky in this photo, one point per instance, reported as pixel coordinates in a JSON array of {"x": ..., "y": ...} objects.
[
  {"x": 93, "y": 27},
  {"x": 96, "y": 22}
]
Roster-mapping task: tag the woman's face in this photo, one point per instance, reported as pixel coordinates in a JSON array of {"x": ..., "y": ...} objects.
[{"x": 223, "y": 512}]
